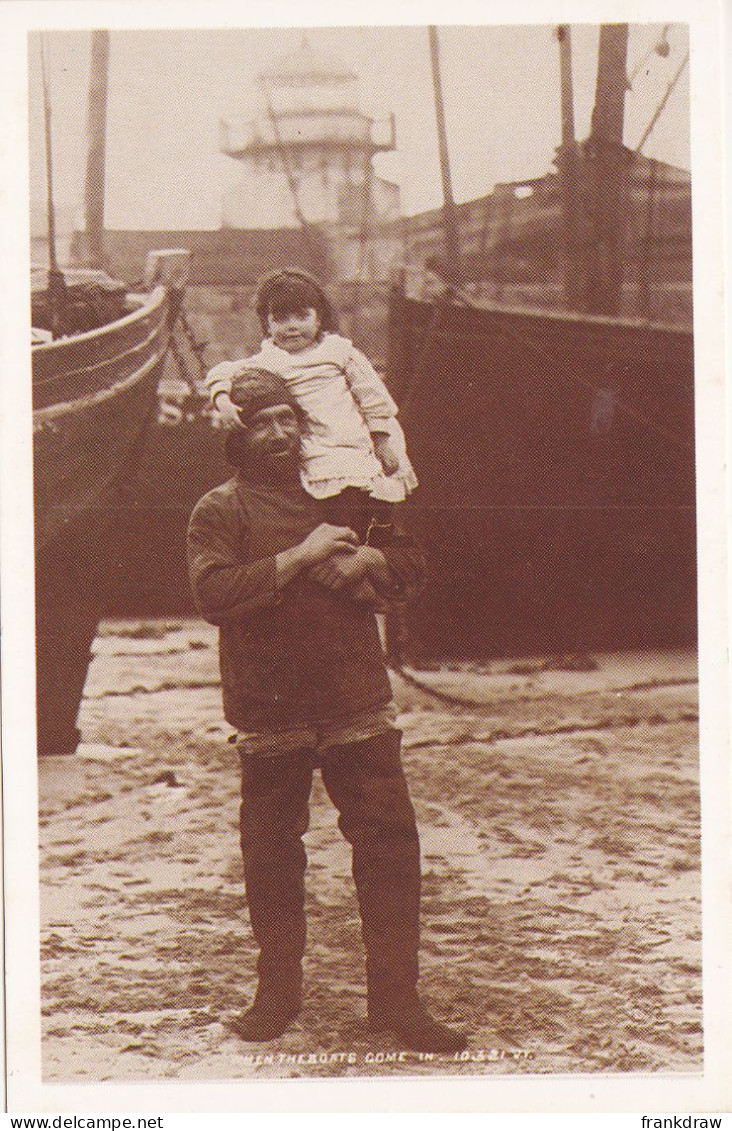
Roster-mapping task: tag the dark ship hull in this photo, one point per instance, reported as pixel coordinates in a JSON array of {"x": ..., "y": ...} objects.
[
  {"x": 94, "y": 397},
  {"x": 556, "y": 462}
]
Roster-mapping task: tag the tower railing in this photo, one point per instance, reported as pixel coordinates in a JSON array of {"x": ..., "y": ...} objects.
[{"x": 242, "y": 137}]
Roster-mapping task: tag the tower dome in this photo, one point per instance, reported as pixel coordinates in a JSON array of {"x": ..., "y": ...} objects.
[
  {"x": 306, "y": 66},
  {"x": 306, "y": 81}
]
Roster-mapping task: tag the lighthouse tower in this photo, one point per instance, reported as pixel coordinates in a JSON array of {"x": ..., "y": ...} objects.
[{"x": 307, "y": 154}]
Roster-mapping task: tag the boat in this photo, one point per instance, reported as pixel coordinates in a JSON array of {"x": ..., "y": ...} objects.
[
  {"x": 556, "y": 460},
  {"x": 98, "y": 352},
  {"x": 555, "y": 449},
  {"x": 94, "y": 397}
]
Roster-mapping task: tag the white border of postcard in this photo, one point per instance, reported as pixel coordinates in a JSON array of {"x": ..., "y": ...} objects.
[{"x": 709, "y": 1091}]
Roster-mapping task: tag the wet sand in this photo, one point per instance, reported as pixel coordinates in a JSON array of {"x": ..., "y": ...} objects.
[{"x": 559, "y": 818}]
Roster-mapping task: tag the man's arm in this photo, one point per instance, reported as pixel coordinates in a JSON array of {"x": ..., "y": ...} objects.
[
  {"x": 395, "y": 568},
  {"x": 225, "y": 587},
  {"x": 319, "y": 546},
  {"x": 228, "y": 588}
]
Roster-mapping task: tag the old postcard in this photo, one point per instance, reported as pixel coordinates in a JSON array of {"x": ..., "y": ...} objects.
[{"x": 364, "y": 615}]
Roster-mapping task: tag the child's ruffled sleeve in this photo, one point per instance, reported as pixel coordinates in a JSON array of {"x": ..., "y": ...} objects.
[
  {"x": 218, "y": 380},
  {"x": 369, "y": 391}
]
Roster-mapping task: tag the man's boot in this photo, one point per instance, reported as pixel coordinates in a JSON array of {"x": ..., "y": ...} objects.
[
  {"x": 411, "y": 1024},
  {"x": 366, "y": 782},
  {"x": 276, "y": 1003},
  {"x": 274, "y": 818}
]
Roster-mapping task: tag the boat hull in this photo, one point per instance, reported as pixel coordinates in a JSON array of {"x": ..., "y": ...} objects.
[
  {"x": 556, "y": 463},
  {"x": 94, "y": 398}
]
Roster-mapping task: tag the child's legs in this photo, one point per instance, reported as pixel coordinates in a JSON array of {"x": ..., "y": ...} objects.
[
  {"x": 349, "y": 508},
  {"x": 380, "y": 521},
  {"x": 371, "y": 520},
  {"x": 357, "y": 509}
]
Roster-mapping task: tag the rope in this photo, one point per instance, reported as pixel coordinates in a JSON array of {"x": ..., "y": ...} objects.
[
  {"x": 460, "y": 701},
  {"x": 442, "y": 696},
  {"x": 289, "y": 176},
  {"x": 662, "y": 104},
  {"x": 197, "y": 348},
  {"x": 180, "y": 361},
  {"x": 362, "y": 245},
  {"x": 657, "y": 40}
]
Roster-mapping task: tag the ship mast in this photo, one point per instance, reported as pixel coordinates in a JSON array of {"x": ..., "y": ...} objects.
[
  {"x": 612, "y": 84},
  {"x": 449, "y": 214},
  {"x": 56, "y": 283},
  {"x": 95, "y": 163},
  {"x": 567, "y": 164},
  {"x": 608, "y": 169}
]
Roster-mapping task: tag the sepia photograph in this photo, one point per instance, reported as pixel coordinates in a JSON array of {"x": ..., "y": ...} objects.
[{"x": 365, "y": 446}]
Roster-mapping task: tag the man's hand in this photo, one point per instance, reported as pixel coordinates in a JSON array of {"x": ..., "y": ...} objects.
[
  {"x": 327, "y": 540},
  {"x": 341, "y": 571},
  {"x": 385, "y": 453},
  {"x": 316, "y": 548}
]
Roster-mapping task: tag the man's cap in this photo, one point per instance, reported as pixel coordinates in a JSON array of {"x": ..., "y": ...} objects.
[{"x": 256, "y": 389}]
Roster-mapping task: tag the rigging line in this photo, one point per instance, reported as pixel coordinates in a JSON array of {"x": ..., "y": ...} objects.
[
  {"x": 430, "y": 336},
  {"x": 362, "y": 251},
  {"x": 178, "y": 357},
  {"x": 56, "y": 290},
  {"x": 453, "y": 295},
  {"x": 289, "y": 175},
  {"x": 654, "y": 47},
  {"x": 662, "y": 104},
  {"x": 49, "y": 157},
  {"x": 197, "y": 348}
]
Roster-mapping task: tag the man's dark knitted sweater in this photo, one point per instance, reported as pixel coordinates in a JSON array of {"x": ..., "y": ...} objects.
[{"x": 302, "y": 655}]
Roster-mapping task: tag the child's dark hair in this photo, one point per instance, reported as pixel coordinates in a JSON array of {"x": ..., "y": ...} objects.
[{"x": 283, "y": 292}]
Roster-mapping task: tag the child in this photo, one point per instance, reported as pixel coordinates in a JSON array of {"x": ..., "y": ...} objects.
[{"x": 354, "y": 455}]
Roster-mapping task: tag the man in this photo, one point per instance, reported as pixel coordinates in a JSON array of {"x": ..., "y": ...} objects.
[{"x": 305, "y": 685}]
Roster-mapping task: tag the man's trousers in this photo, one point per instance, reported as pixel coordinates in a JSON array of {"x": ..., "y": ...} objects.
[{"x": 366, "y": 783}]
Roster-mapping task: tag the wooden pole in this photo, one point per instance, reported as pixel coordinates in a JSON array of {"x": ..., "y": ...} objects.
[
  {"x": 95, "y": 164},
  {"x": 612, "y": 84},
  {"x": 564, "y": 35},
  {"x": 452, "y": 239},
  {"x": 50, "y": 215},
  {"x": 646, "y": 259},
  {"x": 608, "y": 176},
  {"x": 567, "y": 163},
  {"x": 56, "y": 283}
]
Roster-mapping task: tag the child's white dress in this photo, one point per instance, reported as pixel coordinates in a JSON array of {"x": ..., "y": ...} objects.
[{"x": 343, "y": 400}]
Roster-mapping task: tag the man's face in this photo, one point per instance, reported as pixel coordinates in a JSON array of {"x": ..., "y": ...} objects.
[{"x": 273, "y": 436}]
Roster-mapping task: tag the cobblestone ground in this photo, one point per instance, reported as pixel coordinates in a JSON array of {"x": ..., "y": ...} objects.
[{"x": 560, "y": 838}]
